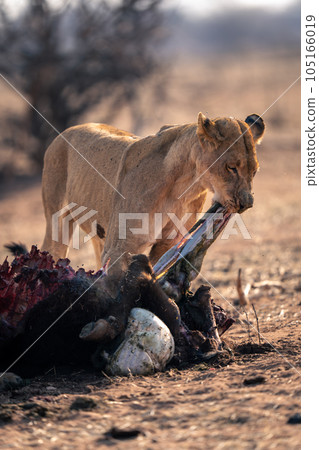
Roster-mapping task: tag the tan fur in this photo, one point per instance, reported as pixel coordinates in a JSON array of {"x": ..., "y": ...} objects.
[{"x": 149, "y": 175}]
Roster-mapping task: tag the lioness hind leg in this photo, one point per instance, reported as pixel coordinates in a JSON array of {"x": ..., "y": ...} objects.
[
  {"x": 54, "y": 238},
  {"x": 53, "y": 197}
]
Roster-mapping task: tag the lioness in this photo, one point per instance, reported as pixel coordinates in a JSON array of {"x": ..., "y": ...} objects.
[{"x": 112, "y": 171}]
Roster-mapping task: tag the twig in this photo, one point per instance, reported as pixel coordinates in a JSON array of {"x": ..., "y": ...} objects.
[
  {"x": 257, "y": 323},
  {"x": 267, "y": 284},
  {"x": 243, "y": 299},
  {"x": 248, "y": 325},
  {"x": 109, "y": 379}
]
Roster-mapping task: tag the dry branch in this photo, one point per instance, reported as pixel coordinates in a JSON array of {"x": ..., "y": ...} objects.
[
  {"x": 248, "y": 325},
  {"x": 243, "y": 299},
  {"x": 258, "y": 331}
]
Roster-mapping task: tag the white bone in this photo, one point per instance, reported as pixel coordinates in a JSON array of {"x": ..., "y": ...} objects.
[{"x": 148, "y": 346}]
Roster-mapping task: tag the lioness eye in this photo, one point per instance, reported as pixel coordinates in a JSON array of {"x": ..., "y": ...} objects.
[{"x": 233, "y": 169}]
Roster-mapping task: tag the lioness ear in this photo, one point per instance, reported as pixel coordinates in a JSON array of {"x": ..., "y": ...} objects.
[
  {"x": 207, "y": 129},
  {"x": 257, "y": 127}
]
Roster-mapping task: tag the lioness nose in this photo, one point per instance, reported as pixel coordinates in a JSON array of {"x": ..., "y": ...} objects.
[{"x": 246, "y": 202}]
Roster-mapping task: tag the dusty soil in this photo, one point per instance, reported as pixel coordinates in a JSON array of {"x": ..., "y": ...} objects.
[
  {"x": 248, "y": 400},
  {"x": 207, "y": 406}
]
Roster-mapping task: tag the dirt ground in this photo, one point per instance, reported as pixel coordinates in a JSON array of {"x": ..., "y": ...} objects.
[{"x": 248, "y": 400}]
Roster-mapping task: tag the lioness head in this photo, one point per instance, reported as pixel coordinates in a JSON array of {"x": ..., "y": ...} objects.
[{"x": 228, "y": 162}]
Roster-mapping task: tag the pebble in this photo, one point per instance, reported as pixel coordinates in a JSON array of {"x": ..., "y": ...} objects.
[
  {"x": 83, "y": 403},
  {"x": 259, "y": 379},
  {"x": 118, "y": 433},
  {"x": 294, "y": 419}
]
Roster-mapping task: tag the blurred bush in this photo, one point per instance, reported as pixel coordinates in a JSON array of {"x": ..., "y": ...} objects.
[{"x": 66, "y": 59}]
